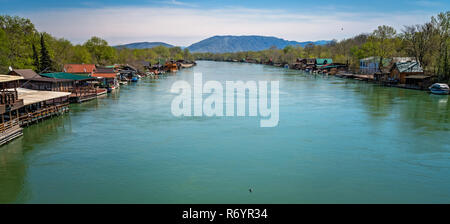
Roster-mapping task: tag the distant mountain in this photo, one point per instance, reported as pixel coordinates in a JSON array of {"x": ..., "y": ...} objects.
[
  {"x": 223, "y": 44},
  {"x": 144, "y": 45}
]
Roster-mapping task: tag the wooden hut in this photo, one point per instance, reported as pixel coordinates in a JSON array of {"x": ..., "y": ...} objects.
[
  {"x": 19, "y": 106},
  {"x": 32, "y": 80},
  {"x": 300, "y": 63},
  {"x": 401, "y": 70},
  {"x": 323, "y": 61},
  {"x": 310, "y": 63},
  {"x": 9, "y": 105},
  {"x": 109, "y": 77},
  {"x": 83, "y": 88}
]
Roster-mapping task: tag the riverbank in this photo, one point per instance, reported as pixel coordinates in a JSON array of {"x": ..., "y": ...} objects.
[
  {"x": 342, "y": 71},
  {"x": 27, "y": 97},
  {"x": 338, "y": 141}
]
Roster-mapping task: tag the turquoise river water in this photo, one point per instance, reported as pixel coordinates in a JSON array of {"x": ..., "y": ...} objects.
[{"x": 338, "y": 141}]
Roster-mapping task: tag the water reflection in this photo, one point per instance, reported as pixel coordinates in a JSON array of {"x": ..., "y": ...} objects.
[
  {"x": 13, "y": 157},
  {"x": 334, "y": 132},
  {"x": 415, "y": 109},
  {"x": 12, "y": 171}
]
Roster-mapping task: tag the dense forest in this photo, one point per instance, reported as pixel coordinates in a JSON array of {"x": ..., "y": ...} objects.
[
  {"x": 429, "y": 43},
  {"x": 22, "y": 46}
]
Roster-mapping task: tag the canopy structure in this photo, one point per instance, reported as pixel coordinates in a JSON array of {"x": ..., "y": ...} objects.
[
  {"x": 324, "y": 61},
  {"x": 9, "y": 78},
  {"x": 35, "y": 96},
  {"x": 63, "y": 75}
]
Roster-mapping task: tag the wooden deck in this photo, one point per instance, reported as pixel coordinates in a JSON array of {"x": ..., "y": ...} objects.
[
  {"x": 9, "y": 131},
  {"x": 43, "y": 114},
  {"x": 80, "y": 95},
  {"x": 35, "y": 96}
]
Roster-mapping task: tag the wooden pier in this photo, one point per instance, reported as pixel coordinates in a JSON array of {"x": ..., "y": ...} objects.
[
  {"x": 9, "y": 131},
  {"x": 22, "y": 107},
  {"x": 82, "y": 94}
]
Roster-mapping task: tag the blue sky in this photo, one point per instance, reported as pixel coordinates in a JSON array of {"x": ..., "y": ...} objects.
[{"x": 182, "y": 22}]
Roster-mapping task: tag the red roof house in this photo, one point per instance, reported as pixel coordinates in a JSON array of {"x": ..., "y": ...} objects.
[{"x": 80, "y": 68}]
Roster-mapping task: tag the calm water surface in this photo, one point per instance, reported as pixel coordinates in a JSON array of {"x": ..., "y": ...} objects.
[{"x": 338, "y": 141}]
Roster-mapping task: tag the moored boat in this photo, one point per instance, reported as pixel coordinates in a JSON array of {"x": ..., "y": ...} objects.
[
  {"x": 112, "y": 88},
  {"x": 183, "y": 65},
  {"x": 439, "y": 89},
  {"x": 171, "y": 67},
  {"x": 101, "y": 91},
  {"x": 135, "y": 79}
]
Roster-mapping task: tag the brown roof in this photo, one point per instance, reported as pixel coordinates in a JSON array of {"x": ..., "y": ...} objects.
[
  {"x": 105, "y": 70},
  {"x": 79, "y": 68},
  {"x": 25, "y": 73},
  {"x": 30, "y": 75}
]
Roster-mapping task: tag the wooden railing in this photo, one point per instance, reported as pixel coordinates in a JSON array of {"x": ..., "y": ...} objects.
[
  {"x": 9, "y": 125},
  {"x": 8, "y": 97},
  {"x": 82, "y": 91},
  {"x": 43, "y": 113}
]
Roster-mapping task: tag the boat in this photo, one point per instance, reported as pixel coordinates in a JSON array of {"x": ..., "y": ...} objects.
[
  {"x": 171, "y": 67},
  {"x": 112, "y": 88},
  {"x": 439, "y": 89},
  {"x": 101, "y": 91},
  {"x": 186, "y": 65}
]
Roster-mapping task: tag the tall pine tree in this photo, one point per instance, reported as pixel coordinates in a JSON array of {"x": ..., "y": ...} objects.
[
  {"x": 46, "y": 63},
  {"x": 35, "y": 59}
]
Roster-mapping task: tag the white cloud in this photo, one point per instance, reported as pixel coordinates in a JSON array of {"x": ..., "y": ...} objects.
[{"x": 184, "y": 26}]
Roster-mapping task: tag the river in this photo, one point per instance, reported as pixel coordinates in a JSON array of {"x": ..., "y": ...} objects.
[{"x": 337, "y": 141}]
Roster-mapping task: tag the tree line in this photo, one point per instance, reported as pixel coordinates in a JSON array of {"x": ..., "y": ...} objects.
[
  {"x": 429, "y": 43},
  {"x": 22, "y": 46}
]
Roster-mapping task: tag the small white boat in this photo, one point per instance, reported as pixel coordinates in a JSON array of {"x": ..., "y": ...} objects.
[
  {"x": 186, "y": 65},
  {"x": 439, "y": 89}
]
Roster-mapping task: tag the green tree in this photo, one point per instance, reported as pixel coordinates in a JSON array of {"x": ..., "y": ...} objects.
[
  {"x": 384, "y": 43},
  {"x": 81, "y": 55},
  {"x": 18, "y": 35},
  {"x": 3, "y": 52},
  {"x": 35, "y": 59},
  {"x": 100, "y": 51},
  {"x": 442, "y": 23},
  {"x": 46, "y": 63}
]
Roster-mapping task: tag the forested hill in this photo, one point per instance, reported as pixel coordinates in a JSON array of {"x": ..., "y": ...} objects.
[
  {"x": 224, "y": 44},
  {"x": 144, "y": 45}
]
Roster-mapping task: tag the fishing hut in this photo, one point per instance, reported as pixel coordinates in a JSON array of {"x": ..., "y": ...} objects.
[
  {"x": 83, "y": 88},
  {"x": 21, "y": 107},
  {"x": 9, "y": 105},
  {"x": 32, "y": 80},
  {"x": 108, "y": 78}
]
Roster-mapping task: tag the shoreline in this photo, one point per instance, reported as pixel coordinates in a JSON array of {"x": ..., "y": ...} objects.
[{"x": 344, "y": 75}]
